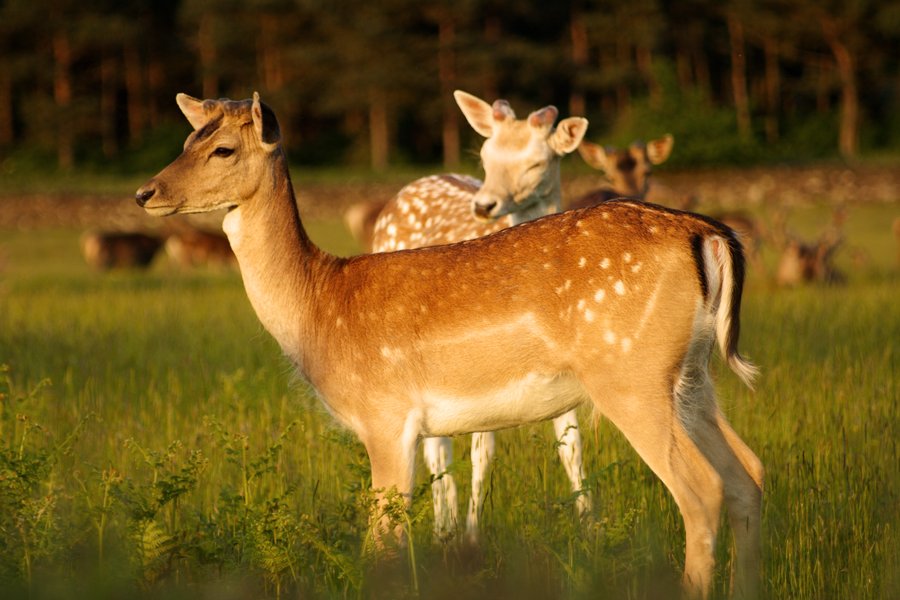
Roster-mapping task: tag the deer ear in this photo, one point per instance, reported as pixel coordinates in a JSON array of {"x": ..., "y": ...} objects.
[
  {"x": 659, "y": 150},
  {"x": 193, "y": 110},
  {"x": 593, "y": 154},
  {"x": 478, "y": 113},
  {"x": 543, "y": 118},
  {"x": 568, "y": 135},
  {"x": 265, "y": 124}
]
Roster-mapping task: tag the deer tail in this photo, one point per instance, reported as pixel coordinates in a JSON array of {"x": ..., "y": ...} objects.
[{"x": 727, "y": 262}]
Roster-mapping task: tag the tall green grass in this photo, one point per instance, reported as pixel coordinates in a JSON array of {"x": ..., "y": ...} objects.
[{"x": 153, "y": 442}]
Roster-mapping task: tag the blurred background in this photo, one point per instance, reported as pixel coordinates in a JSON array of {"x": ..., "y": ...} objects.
[{"x": 91, "y": 85}]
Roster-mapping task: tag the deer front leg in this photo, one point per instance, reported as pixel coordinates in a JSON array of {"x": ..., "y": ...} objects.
[
  {"x": 392, "y": 456},
  {"x": 438, "y": 456},
  {"x": 482, "y": 455},
  {"x": 568, "y": 444}
]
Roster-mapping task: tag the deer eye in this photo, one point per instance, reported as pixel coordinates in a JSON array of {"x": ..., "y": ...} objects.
[{"x": 223, "y": 152}]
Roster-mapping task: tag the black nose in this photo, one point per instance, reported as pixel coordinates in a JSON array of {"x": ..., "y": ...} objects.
[
  {"x": 484, "y": 210},
  {"x": 142, "y": 196}
]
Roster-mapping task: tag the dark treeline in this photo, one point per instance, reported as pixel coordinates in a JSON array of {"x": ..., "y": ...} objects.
[{"x": 371, "y": 82}]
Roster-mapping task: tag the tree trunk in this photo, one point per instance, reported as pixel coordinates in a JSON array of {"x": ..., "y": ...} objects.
[
  {"x": 580, "y": 48},
  {"x": 156, "y": 77},
  {"x": 269, "y": 63},
  {"x": 108, "y": 88},
  {"x": 702, "y": 77},
  {"x": 493, "y": 32},
  {"x": 848, "y": 138},
  {"x": 378, "y": 129},
  {"x": 62, "y": 97},
  {"x": 206, "y": 46},
  {"x": 7, "y": 132},
  {"x": 683, "y": 68},
  {"x": 447, "y": 80},
  {"x": 773, "y": 89},
  {"x": 134, "y": 86},
  {"x": 623, "y": 92},
  {"x": 739, "y": 75},
  {"x": 645, "y": 65}
]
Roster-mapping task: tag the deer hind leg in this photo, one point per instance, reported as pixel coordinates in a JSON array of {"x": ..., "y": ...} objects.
[
  {"x": 568, "y": 440},
  {"x": 482, "y": 454},
  {"x": 741, "y": 474},
  {"x": 438, "y": 454},
  {"x": 650, "y": 421}
]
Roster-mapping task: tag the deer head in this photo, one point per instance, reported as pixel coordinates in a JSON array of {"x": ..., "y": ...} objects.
[
  {"x": 628, "y": 169},
  {"x": 520, "y": 157},
  {"x": 206, "y": 176}
]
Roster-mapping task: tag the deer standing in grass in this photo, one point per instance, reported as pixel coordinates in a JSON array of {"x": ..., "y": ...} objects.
[
  {"x": 619, "y": 305},
  {"x": 521, "y": 164}
]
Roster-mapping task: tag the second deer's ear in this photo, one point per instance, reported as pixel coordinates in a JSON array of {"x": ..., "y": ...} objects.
[
  {"x": 265, "y": 124},
  {"x": 593, "y": 154},
  {"x": 193, "y": 110}
]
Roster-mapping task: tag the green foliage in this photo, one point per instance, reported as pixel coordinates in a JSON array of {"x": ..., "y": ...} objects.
[{"x": 705, "y": 134}]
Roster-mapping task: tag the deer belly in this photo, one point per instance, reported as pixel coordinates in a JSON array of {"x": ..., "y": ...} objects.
[{"x": 534, "y": 397}]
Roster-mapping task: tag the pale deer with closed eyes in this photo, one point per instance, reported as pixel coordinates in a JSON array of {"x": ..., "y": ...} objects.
[{"x": 521, "y": 163}]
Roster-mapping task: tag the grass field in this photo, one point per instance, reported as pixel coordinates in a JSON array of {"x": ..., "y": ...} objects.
[{"x": 154, "y": 443}]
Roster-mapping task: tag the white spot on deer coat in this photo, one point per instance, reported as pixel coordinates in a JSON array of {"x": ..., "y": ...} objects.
[
  {"x": 619, "y": 287},
  {"x": 604, "y": 264},
  {"x": 599, "y": 295}
]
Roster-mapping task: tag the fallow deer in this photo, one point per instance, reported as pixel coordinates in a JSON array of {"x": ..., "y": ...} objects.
[
  {"x": 104, "y": 250},
  {"x": 521, "y": 159},
  {"x": 802, "y": 260},
  {"x": 629, "y": 171},
  {"x": 619, "y": 305}
]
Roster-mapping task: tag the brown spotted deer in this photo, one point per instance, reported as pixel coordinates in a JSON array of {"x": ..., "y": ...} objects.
[
  {"x": 104, "y": 250},
  {"x": 618, "y": 305},
  {"x": 521, "y": 159},
  {"x": 629, "y": 173}
]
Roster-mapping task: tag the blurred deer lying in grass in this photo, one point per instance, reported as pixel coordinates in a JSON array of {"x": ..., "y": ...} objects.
[
  {"x": 521, "y": 160},
  {"x": 191, "y": 247},
  {"x": 619, "y": 305},
  {"x": 804, "y": 261},
  {"x": 104, "y": 250}
]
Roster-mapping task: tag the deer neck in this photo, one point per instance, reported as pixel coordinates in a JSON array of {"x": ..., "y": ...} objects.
[
  {"x": 278, "y": 261},
  {"x": 549, "y": 198}
]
